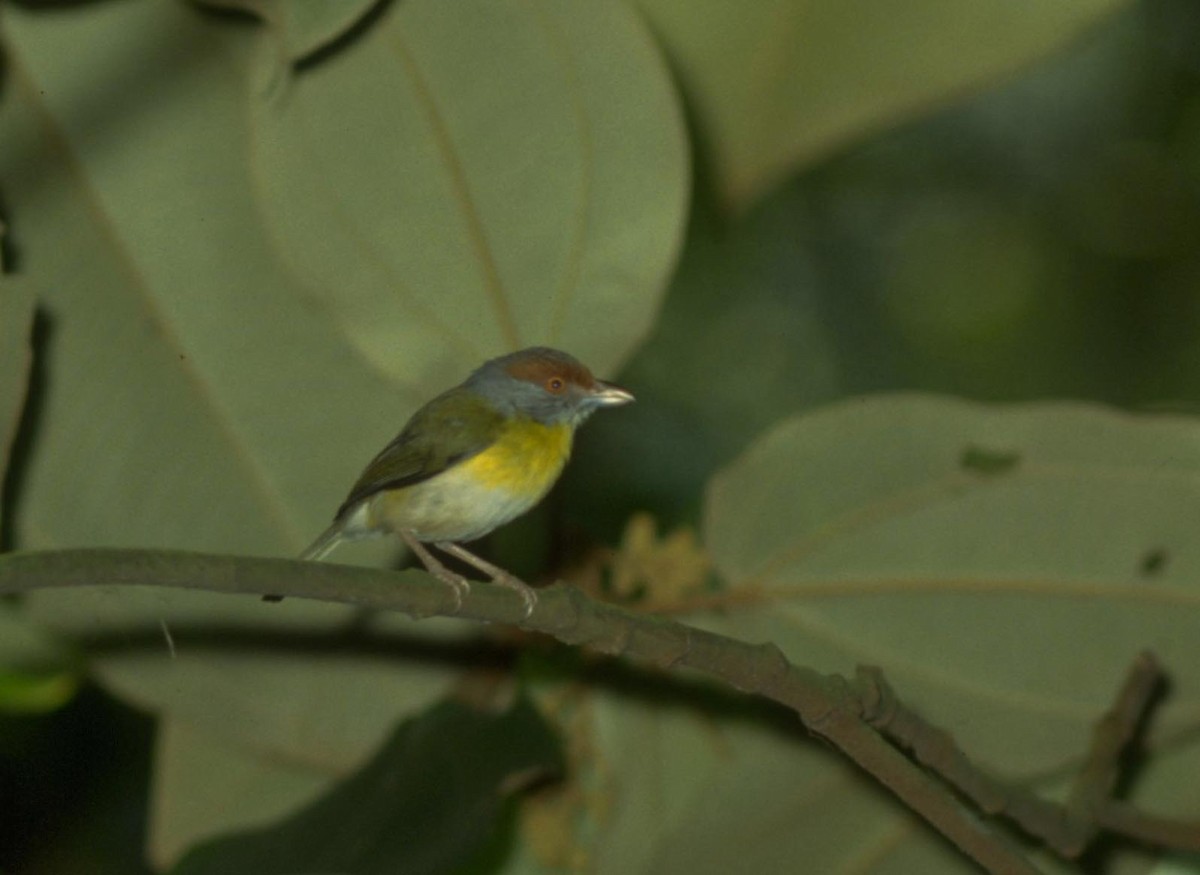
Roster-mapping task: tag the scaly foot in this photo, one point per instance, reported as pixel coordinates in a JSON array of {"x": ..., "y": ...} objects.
[
  {"x": 497, "y": 574},
  {"x": 457, "y": 583}
]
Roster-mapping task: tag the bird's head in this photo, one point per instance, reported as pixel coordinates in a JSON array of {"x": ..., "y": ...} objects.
[{"x": 544, "y": 384}]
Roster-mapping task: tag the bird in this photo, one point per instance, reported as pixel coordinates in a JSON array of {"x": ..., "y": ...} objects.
[{"x": 472, "y": 459}]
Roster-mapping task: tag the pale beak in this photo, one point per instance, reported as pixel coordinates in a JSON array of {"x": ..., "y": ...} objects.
[{"x": 608, "y": 395}]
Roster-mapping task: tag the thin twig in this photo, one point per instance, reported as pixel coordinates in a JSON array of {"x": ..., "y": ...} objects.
[
  {"x": 1114, "y": 732},
  {"x": 1069, "y": 828}
]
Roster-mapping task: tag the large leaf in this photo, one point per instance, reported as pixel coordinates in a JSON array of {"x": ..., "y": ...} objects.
[
  {"x": 1003, "y": 566},
  {"x": 480, "y": 176},
  {"x": 426, "y": 803},
  {"x": 778, "y": 84}
]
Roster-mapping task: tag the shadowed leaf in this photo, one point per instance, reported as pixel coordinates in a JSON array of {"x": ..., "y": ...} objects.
[
  {"x": 426, "y": 803},
  {"x": 302, "y": 26},
  {"x": 779, "y": 84}
]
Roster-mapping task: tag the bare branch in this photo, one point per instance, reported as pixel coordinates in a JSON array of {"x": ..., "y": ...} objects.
[{"x": 858, "y": 718}]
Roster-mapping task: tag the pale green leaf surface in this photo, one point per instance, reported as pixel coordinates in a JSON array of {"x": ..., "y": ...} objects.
[
  {"x": 1004, "y": 601},
  {"x": 724, "y": 794},
  {"x": 778, "y": 84},
  {"x": 168, "y": 322},
  {"x": 198, "y": 393},
  {"x": 1170, "y": 773},
  {"x": 302, "y": 26},
  {"x": 205, "y": 786},
  {"x": 481, "y": 177}
]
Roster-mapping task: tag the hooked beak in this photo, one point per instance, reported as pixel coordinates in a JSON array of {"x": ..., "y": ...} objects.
[{"x": 608, "y": 395}]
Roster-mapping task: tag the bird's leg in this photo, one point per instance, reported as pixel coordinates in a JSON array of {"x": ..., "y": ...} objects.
[
  {"x": 497, "y": 574},
  {"x": 456, "y": 582}
]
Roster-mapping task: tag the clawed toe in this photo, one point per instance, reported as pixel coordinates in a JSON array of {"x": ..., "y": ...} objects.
[
  {"x": 526, "y": 592},
  {"x": 458, "y": 584}
]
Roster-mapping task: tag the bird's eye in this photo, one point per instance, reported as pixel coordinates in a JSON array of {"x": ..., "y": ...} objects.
[{"x": 555, "y": 385}]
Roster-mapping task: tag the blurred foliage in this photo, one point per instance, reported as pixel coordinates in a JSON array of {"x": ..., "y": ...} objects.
[
  {"x": 258, "y": 233},
  {"x": 75, "y": 784},
  {"x": 779, "y": 83}
]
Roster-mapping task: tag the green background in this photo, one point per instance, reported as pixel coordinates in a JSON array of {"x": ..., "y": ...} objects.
[{"x": 909, "y": 295}]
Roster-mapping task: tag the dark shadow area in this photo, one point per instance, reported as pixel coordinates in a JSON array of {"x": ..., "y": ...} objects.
[
  {"x": 75, "y": 788},
  {"x": 56, "y": 5},
  {"x": 24, "y": 441},
  {"x": 345, "y": 40},
  {"x": 481, "y": 653},
  {"x": 10, "y": 249}
]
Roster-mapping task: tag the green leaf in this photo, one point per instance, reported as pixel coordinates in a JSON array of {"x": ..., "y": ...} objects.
[
  {"x": 1006, "y": 604},
  {"x": 1166, "y": 785},
  {"x": 477, "y": 177},
  {"x": 779, "y": 84},
  {"x": 26, "y": 692},
  {"x": 302, "y": 26},
  {"x": 426, "y": 803},
  {"x": 153, "y": 428},
  {"x": 16, "y": 322}
]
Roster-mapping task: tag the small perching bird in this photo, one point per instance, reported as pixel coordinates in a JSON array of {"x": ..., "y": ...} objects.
[{"x": 472, "y": 459}]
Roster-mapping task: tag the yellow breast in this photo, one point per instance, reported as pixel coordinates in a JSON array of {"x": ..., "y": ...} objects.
[
  {"x": 526, "y": 460},
  {"x": 470, "y": 499}
]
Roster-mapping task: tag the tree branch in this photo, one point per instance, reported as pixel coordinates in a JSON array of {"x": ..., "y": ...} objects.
[
  {"x": 1067, "y": 829},
  {"x": 853, "y": 717}
]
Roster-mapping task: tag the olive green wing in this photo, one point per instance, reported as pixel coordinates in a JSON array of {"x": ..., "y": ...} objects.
[{"x": 452, "y": 427}]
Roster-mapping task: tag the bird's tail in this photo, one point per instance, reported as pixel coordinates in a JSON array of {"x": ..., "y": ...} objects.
[{"x": 325, "y": 542}]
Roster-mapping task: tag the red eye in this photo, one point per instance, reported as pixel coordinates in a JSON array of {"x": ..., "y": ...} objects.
[{"x": 555, "y": 385}]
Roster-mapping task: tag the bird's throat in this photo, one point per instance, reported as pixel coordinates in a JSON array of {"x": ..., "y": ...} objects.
[{"x": 526, "y": 459}]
